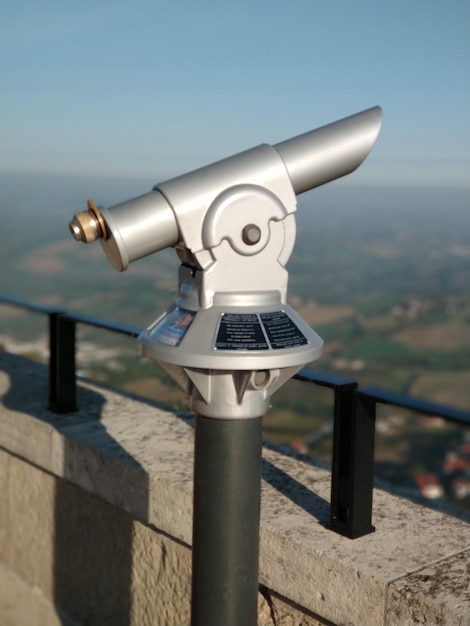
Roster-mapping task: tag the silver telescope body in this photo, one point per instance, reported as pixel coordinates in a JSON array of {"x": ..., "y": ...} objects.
[
  {"x": 172, "y": 212},
  {"x": 231, "y": 339}
]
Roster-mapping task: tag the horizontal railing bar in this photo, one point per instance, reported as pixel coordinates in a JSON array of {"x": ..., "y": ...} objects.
[
  {"x": 325, "y": 379},
  {"x": 354, "y": 414},
  {"x": 416, "y": 404},
  {"x": 89, "y": 320},
  {"x": 116, "y": 327},
  {"x": 27, "y": 304}
]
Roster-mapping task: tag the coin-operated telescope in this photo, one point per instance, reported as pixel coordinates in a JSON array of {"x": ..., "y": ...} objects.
[{"x": 230, "y": 340}]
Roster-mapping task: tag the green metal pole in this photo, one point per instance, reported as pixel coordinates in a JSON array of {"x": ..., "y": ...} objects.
[{"x": 227, "y": 485}]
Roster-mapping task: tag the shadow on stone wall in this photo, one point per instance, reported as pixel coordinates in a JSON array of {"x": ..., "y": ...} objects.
[
  {"x": 298, "y": 493},
  {"x": 92, "y": 560}
]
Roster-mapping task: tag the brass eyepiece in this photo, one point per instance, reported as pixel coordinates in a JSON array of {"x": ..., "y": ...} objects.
[{"x": 88, "y": 226}]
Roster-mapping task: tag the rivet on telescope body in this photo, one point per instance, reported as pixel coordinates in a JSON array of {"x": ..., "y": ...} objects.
[{"x": 251, "y": 234}]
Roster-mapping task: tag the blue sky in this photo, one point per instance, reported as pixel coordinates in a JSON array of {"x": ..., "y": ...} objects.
[{"x": 156, "y": 88}]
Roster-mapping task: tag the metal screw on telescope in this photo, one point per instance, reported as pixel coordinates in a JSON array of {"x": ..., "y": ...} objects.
[
  {"x": 230, "y": 340},
  {"x": 251, "y": 234}
]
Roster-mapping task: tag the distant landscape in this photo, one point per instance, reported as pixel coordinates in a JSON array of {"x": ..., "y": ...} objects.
[{"x": 382, "y": 274}]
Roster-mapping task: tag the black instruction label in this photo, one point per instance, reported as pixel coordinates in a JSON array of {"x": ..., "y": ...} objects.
[
  {"x": 253, "y": 331},
  {"x": 281, "y": 331},
  {"x": 240, "y": 331}
]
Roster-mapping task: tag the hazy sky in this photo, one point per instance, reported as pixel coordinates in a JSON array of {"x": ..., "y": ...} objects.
[{"x": 156, "y": 88}]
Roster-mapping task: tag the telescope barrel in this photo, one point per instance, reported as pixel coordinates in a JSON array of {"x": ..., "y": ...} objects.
[
  {"x": 329, "y": 152},
  {"x": 174, "y": 211}
]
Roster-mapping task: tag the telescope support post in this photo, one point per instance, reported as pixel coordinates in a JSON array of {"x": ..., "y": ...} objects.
[{"x": 226, "y": 516}]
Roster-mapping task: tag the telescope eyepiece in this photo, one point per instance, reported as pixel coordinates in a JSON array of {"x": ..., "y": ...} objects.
[{"x": 88, "y": 226}]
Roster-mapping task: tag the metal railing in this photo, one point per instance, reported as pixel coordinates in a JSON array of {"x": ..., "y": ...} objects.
[{"x": 352, "y": 477}]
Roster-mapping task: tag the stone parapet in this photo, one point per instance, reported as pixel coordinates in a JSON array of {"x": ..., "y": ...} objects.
[{"x": 96, "y": 514}]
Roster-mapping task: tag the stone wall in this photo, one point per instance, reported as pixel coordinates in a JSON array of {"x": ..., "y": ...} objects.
[{"x": 95, "y": 519}]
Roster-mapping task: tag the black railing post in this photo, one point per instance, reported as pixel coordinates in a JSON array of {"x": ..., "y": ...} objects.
[
  {"x": 340, "y": 467},
  {"x": 352, "y": 478},
  {"x": 62, "y": 383}
]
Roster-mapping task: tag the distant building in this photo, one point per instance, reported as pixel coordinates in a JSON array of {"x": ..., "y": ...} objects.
[
  {"x": 300, "y": 446},
  {"x": 460, "y": 488},
  {"x": 458, "y": 460},
  {"x": 429, "y": 486}
]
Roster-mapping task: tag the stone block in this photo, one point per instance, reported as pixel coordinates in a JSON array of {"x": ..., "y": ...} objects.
[
  {"x": 31, "y": 525},
  {"x": 436, "y": 595},
  {"x": 161, "y": 579},
  {"x": 20, "y": 605}
]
